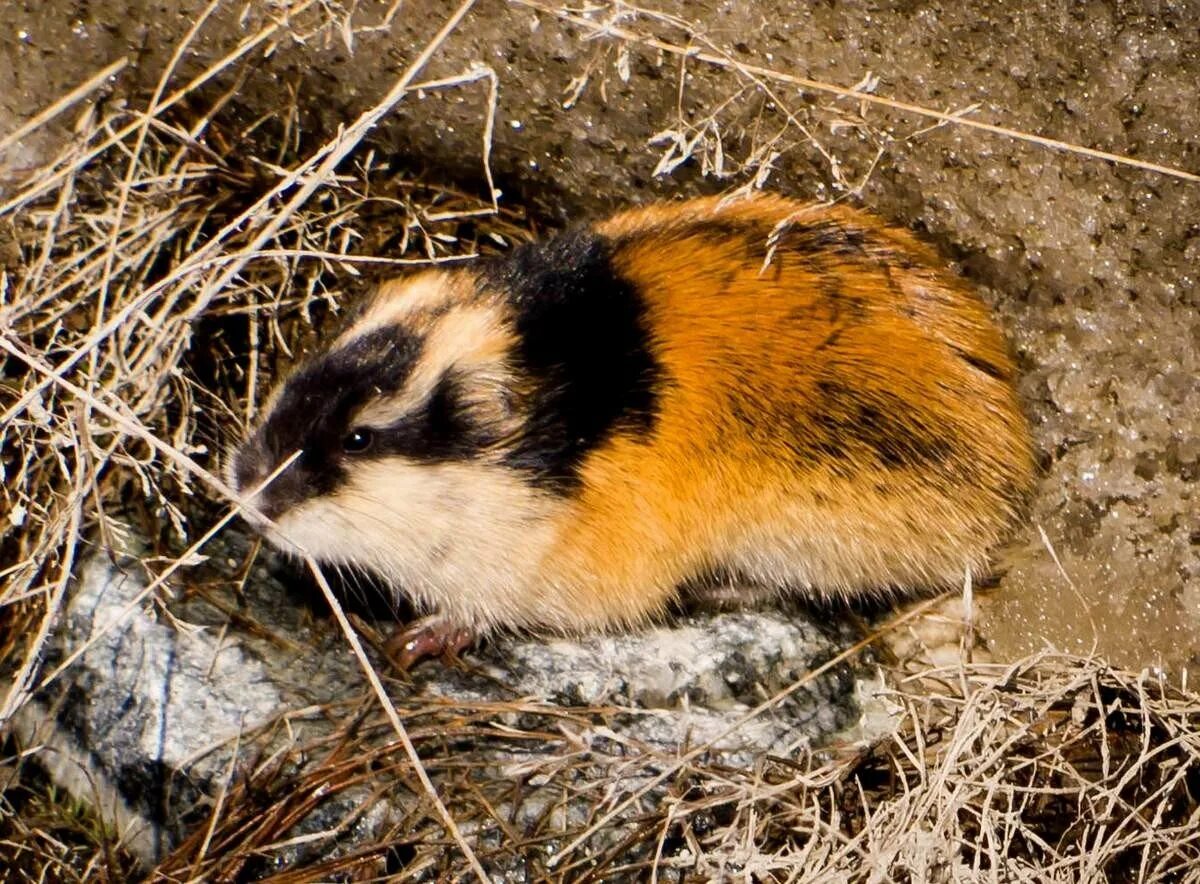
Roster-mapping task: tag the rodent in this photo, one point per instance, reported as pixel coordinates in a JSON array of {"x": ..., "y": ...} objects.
[{"x": 799, "y": 398}]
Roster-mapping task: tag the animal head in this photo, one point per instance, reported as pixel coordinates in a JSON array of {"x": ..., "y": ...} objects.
[{"x": 397, "y": 434}]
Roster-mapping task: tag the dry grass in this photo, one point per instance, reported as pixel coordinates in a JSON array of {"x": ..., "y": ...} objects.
[
  {"x": 626, "y": 25},
  {"x": 1057, "y": 769},
  {"x": 156, "y": 270},
  {"x": 154, "y": 274},
  {"x": 48, "y": 835}
]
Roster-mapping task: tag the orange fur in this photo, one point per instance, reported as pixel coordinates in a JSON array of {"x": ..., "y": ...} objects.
[
  {"x": 704, "y": 493},
  {"x": 837, "y": 416}
]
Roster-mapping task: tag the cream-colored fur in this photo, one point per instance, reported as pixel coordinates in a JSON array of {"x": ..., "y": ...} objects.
[
  {"x": 463, "y": 540},
  {"x": 399, "y": 300},
  {"x": 471, "y": 339}
]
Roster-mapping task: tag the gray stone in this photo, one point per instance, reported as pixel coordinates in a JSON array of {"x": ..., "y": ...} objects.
[
  {"x": 150, "y": 710},
  {"x": 151, "y": 714}
]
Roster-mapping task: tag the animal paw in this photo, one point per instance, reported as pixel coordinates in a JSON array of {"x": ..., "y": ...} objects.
[{"x": 427, "y": 637}]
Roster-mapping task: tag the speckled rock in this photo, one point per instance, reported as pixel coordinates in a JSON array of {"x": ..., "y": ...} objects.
[
  {"x": 152, "y": 713},
  {"x": 693, "y": 679},
  {"x": 149, "y": 712}
]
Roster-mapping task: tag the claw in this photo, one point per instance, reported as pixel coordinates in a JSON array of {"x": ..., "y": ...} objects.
[{"x": 428, "y": 637}]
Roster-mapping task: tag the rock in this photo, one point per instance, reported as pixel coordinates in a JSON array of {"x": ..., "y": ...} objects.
[
  {"x": 155, "y": 709},
  {"x": 142, "y": 711}
]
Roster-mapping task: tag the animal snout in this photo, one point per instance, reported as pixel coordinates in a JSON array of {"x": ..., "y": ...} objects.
[
  {"x": 248, "y": 471},
  {"x": 284, "y": 488}
]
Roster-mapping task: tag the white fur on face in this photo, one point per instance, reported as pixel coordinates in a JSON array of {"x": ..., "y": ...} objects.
[
  {"x": 462, "y": 540},
  {"x": 401, "y": 300}
]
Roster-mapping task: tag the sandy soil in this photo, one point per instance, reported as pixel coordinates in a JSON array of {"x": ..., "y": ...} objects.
[{"x": 1092, "y": 267}]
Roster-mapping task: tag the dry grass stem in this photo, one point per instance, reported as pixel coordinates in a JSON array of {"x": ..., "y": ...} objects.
[
  {"x": 69, "y": 100},
  {"x": 394, "y": 719},
  {"x": 1056, "y": 769}
]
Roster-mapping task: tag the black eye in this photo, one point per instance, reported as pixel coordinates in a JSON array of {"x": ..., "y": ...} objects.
[{"x": 358, "y": 440}]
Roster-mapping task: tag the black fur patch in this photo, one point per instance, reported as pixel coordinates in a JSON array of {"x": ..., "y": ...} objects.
[
  {"x": 583, "y": 340},
  {"x": 880, "y": 423},
  {"x": 313, "y": 414}
]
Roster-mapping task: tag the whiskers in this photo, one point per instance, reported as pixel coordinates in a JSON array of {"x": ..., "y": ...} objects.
[
  {"x": 367, "y": 590},
  {"x": 399, "y": 521}
]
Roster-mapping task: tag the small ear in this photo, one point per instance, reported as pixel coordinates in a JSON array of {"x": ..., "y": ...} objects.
[{"x": 484, "y": 397}]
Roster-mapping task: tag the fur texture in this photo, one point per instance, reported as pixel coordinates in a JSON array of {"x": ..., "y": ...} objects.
[{"x": 799, "y": 396}]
